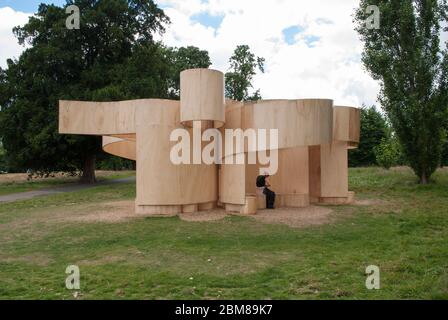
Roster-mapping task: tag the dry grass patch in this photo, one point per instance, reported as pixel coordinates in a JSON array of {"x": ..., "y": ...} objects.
[
  {"x": 23, "y": 177},
  {"x": 121, "y": 211},
  {"x": 36, "y": 259},
  {"x": 204, "y": 216},
  {"x": 109, "y": 212},
  {"x": 296, "y": 217}
]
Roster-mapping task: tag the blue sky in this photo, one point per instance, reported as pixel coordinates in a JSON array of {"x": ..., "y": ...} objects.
[
  {"x": 27, "y": 5},
  {"x": 208, "y": 20},
  {"x": 290, "y": 33}
]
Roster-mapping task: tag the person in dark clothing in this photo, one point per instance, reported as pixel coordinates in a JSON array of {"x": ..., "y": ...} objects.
[{"x": 263, "y": 182}]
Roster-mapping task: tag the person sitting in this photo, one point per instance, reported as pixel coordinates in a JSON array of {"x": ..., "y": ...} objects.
[{"x": 263, "y": 182}]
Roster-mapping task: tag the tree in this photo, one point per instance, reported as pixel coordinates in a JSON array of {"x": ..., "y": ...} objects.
[
  {"x": 406, "y": 57},
  {"x": 180, "y": 59},
  {"x": 444, "y": 161},
  {"x": 374, "y": 128},
  {"x": 243, "y": 67},
  {"x": 3, "y": 166},
  {"x": 96, "y": 62},
  {"x": 387, "y": 153}
]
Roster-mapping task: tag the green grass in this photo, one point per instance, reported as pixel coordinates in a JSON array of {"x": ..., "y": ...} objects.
[
  {"x": 39, "y": 184},
  {"x": 404, "y": 231}
]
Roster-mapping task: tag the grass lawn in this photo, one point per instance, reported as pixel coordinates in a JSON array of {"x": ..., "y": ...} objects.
[
  {"x": 401, "y": 227},
  {"x": 15, "y": 183}
]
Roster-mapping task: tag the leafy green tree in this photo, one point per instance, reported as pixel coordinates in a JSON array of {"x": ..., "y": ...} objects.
[
  {"x": 406, "y": 57},
  {"x": 180, "y": 59},
  {"x": 374, "y": 128},
  {"x": 112, "y": 56},
  {"x": 243, "y": 67},
  {"x": 387, "y": 153},
  {"x": 445, "y": 151},
  {"x": 3, "y": 166},
  {"x": 445, "y": 155},
  {"x": 116, "y": 164},
  {"x": 145, "y": 74}
]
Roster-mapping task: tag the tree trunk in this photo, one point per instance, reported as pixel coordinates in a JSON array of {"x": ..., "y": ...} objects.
[
  {"x": 88, "y": 172},
  {"x": 423, "y": 178}
]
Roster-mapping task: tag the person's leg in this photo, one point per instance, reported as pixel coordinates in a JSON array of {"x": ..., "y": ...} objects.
[
  {"x": 270, "y": 198},
  {"x": 266, "y": 195}
]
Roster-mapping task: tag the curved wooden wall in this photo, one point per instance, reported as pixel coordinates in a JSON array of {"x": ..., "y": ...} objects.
[
  {"x": 329, "y": 162},
  {"x": 160, "y": 182},
  {"x": 120, "y": 147},
  {"x": 97, "y": 118},
  {"x": 141, "y": 131},
  {"x": 202, "y": 97},
  {"x": 300, "y": 123},
  {"x": 346, "y": 125}
]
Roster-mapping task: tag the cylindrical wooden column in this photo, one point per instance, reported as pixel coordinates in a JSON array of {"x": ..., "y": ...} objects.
[
  {"x": 346, "y": 125},
  {"x": 163, "y": 187},
  {"x": 202, "y": 98}
]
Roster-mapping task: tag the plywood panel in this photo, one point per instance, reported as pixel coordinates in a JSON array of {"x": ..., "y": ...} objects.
[
  {"x": 292, "y": 200},
  {"x": 346, "y": 124},
  {"x": 293, "y": 172},
  {"x": 202, "y": 96},
  {"x": 157, "y": 210},
  {"x": 292, "y": 176},
  {"x": 97, "y": 118},
  {"x": 232, "y": 184},
  {"x": 315, "y": 172},
  {"x": 120, "y": 147},
  {"x": 159, "y": 181},
  {"x": 250, "y": 208},
  {"x": 299, "y": 123},
  {"x": 334, "y": 170}
]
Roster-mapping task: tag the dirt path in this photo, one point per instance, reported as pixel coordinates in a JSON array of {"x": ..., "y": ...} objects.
[{"x": 121, "y": 211}]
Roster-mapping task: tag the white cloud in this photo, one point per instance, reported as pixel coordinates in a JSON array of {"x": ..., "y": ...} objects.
[
  {"x": 8, "y": 43},
  {"x": 331, "y": 68}
]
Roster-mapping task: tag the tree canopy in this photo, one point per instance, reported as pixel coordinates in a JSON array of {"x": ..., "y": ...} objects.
[
  {"x": 243, "y": 67},
  {"x": 111, "y": 57},
  {"x": 374, "y": 129},
  {"x": 182, "y": 59},
  {"x": 405, "y": 55}
]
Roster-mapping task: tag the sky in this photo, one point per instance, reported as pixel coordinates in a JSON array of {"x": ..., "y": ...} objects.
[{"x": 310, "y": 47}]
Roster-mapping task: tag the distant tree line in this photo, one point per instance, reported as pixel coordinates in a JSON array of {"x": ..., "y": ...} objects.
[{"x": 378, "y": 144}]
